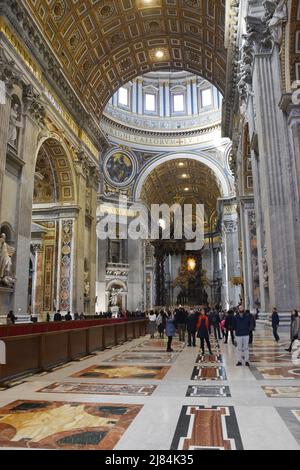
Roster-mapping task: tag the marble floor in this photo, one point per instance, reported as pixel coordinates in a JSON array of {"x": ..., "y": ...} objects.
[{"x": 137, "y": 396}]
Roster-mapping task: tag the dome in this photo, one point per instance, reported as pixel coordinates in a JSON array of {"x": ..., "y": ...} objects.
[{"x": 164, "y": 102}]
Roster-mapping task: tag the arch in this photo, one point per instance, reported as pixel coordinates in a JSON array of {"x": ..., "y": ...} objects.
[
  {"x": 121, "y": 40},
  {"x": 225, "y": 186},
  {"x": 116, "y": 282},
  {"x": 61, "y": 163},
  {"x": 9, "y": 232}
]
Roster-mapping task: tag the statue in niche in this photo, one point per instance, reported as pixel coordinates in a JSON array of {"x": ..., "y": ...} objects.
[
  {"x": 86, "y": 284},
  {"x": 6, "y": 253},
  {"x": 14, "y": 125},
  {"x": 265, "y": 269},
  {"x": 114, "y": 297}
]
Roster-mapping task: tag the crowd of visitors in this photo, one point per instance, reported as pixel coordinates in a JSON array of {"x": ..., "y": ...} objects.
[{"x": 236, "y": 324}]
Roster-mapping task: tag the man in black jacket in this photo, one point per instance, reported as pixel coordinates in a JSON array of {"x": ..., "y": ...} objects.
[
  {"x": 241, "y": 326},
  {"x": 214, "y": 321},
  {"x": 275, "y": 324},
  {"x": 191, "y": 323},
  {"x": 180, "y": 322}
]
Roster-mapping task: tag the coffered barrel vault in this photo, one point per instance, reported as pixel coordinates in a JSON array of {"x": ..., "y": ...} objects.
[{"x": 102, "y": 44}]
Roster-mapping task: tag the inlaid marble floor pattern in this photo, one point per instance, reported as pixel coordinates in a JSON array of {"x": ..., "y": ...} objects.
[{"x": 138, "y": 396}]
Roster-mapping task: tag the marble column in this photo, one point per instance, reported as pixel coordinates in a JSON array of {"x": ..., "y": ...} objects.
[
  {"x": 279, "y": 258},
  {"x": 134, "y": 97},
  {"x": 249, "y": 254},
  {"x": 135, "y": 298},
  {"x": 195, "y": 97},
  {"x": 231, "y": 259},
  {"x": 32, "y": 122},
  {"x": 93, "y": 244},
  {"x": 37, "y": 299},
  {"x": 167, "y": 99},
  {"x": 9, "y": 77},
  {"x": 292, "y": 117},
  {"x": 4, "y": 126},
  {"x": 189, "y": 98},
  {"x": 161, "y": 99},
  {"x": 140, "y": 96},
  {"x": 81, "y": 175}
]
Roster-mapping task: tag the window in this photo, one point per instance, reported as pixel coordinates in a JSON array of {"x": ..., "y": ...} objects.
[
  {"x": 150, "y": 102},
  {"x": 123, "y": 96},
  {"x": 206, "y": 97},
  {"x": 178, "y": 103}
]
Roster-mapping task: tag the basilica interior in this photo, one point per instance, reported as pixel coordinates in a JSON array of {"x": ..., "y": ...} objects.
[{"x": 109, "y": 108}]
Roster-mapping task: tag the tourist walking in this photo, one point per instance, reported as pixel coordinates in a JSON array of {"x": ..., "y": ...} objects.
[
  {"x": 191, "y": 324},
  {"x": 252, "y": 325},
  {"x": 214, "y": 322},
  {"x": 295, "y": 328},
  {"x": 229, "y": 320},
  {"x": 203, "y": 331},
  {"x": 161, "y": 324},
  {"x": 275, "y": 324},
  {"x": 152, "y": 323},
  {"x": 241, "y": 326},
  {"x": 170, "y": 330},
  {"x": 180, "y": 323}
]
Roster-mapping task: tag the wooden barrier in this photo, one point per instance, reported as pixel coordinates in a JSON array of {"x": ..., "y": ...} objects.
[{"x": 42, "y": 351}]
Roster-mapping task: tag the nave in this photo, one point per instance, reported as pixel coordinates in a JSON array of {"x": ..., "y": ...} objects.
[{"x": 137, "y": 396}]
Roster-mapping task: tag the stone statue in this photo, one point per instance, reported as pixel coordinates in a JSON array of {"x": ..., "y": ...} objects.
[
  {"x": 86, "y": 284},
  {"x": 6, "y": 253},
  {"x": 279, "y": 18},
  {"x": 14, "y": 124},
  {"x": 265, "y": 269},
  {"x": 114, "y": 296}
]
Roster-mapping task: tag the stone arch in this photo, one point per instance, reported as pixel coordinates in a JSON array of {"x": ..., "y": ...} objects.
[
  {"x": 209, "y": 161},
  {"x": 116, "y": 282},
  {"x": 53, "y": 150},
  {"x": 9, "y": 232},
  {"x": 121, "y": 41}
]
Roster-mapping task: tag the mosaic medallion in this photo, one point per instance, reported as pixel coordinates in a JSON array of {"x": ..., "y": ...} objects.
[{"x": 119, "y": 168}]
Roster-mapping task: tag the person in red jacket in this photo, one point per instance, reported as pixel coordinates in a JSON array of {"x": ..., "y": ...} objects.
[{"x": 203, "y": 331}]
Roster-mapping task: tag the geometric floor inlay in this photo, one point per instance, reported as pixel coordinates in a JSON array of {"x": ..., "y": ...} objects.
[
  {"x": 271, "y": 358},
  {"x": 208, "y": 391},
  {"x": 142, "y": 358},
  {"x": 291, "y": 417},
  {"x": 209, "y": 373},
  {"x": 209, "y": 358},
  {"x": 99, "y": 389},
  {"x": 282, "y": 392},
  {"x": 276, "y": 373},
  {"x": 64, "y": 425},
  {"x": 207, "y": 428},
  {"x": 120, "y": 372},
  {"x": 160, "y": 344}
]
